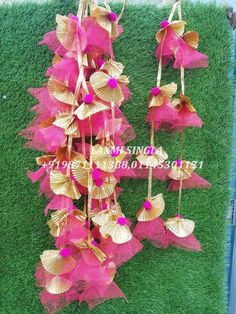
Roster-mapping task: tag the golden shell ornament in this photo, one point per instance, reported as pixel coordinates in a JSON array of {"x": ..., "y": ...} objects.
[
  {"x": 67, "y": 122},
  {"x": 176, "y": 26},
  {"x": 111, "y": 127},
  {"x": 181, "y": 170},
  {"x": 151, "y": 209},
  {"x": 107, "y": 19},
  {"x": 152, "y": 157},
  {"x": 58, "y": 285},
  {"x": 107, "y": 158},
  {"x": 159, "y": 94},
  {"x": 89, "y": 107},
  {"x": 107, "y": 87},
  {"x": 179, "y": 226},
  {"x": 60, "y": 91},
  {"x": 58, "y": 262},
  {"x": 61, "y": 184}
]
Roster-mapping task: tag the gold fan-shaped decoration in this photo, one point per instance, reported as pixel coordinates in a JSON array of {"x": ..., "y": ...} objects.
[
  {"x": 176, "y": 26},
  {"x": 61, "y": 184},
  {"x": 82, "y": 170},
  {"x": 67, "y": 122},
  {"x": 59, "y": 220},
  {"x": 58, "y": 285},
  {"x": 56, "y": 264},
  {"x": 58, "y": 90},
  {"x": 180, "y": 227},
  {"x": 153, "y": 160},
  {"x": 113, "y": 68},
  {"x": 85, "y": 111},
  {"x": 119, "y": 232},
  {"x": 182, "y": 171},
  {"x": 156, "y": 208},
  {"x": 102, "y": 218},
  {"x": 66, "y": 32},
  {"x": 183, "y": 101},
  {"x": 106, "y": 19},
  {"x": 104, "y": 190},
  {"x": 106, "y": 158},
  {"x": 107, "y": 87},
  {"x": 158, "y": 94},
  {"x": 192, "y": 39}
]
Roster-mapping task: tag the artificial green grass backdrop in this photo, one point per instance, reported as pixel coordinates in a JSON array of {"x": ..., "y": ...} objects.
[{"x": 155, "y": 281}]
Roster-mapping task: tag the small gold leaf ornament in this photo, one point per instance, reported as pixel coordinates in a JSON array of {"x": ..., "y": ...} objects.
[
  {"x": 159, "y": 94},
  {"x": 179, "y": 226},
  {"x": 151, "y": 209},
  {"x": 181, "y": 170},
  {"x": 58, "y": 285},
  {"x": 61, "y": 184},
  {"x": 60, "y": 91},
  {"x": 176, "y": 26},
  {"x": 107, "y": 87},
  {"x": 106, "y": 19},
  {"x": 152, "y": 157},
  {"x": 58, "y": 262}
]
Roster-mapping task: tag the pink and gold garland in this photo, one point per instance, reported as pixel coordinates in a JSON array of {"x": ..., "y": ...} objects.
[
  {"x": 173, "y": 115},
  {"x": 79, "y": 126}
]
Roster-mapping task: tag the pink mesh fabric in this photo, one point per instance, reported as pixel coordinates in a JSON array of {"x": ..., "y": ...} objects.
[
  {"x": 187, "y": 119},
  {"x": 94, "y": 294},
  {"x": 187, "y": 56},
  {"x": 59, "y": 202},
  {"x": 164, "y": 116},
  {"x": 149, "y": 230},
  {"x": 121, "y": 253}
]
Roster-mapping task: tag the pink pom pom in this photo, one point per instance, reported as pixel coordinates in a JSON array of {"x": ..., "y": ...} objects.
[
  {"x": 178, "y": 162},
  {"x": 104, "y": 206},
  {"x": 115, "y": 152},
  {"x": 147, "y": 205},
  {"x": 100, "y": 62},
  {"x": 95, "y": 174},
  {"x": 94, "y": 243},
  {"x": 122, "y": 221},
  {"x": 178, "y": 216},
  {"x": 112, "y": 16},
  {"x": 150, "y": 150},
  {"x": 155, "y": 91},
  {"x": 164, "y": 24},
  {"x": 98, "y": 182},
  {"x": 88, "y": 99},
  {"x": 65, "y": 252},
  {"x": 112, "y": 83}
]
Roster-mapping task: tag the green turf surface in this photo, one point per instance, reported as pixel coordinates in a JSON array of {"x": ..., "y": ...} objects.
[{"x": 155, "y": 281}]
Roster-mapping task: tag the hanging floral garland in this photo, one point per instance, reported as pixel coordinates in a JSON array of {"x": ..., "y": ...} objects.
[
  {"x": 79, "y": 126},
  {"x": 173, "y": 114}
]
